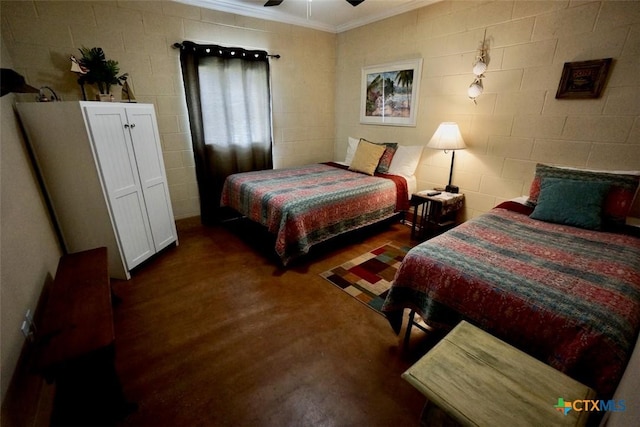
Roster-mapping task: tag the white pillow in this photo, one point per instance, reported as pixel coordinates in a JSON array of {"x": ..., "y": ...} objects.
[
  {"x": 351, "y": 150},
  {"x": 406, "y": 160}
]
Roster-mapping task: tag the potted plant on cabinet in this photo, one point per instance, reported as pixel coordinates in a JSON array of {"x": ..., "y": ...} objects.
[{"x": 100, "y": 71}]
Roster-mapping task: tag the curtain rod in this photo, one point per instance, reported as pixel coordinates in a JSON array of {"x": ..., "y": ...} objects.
[{"x": 180, "y": 46}]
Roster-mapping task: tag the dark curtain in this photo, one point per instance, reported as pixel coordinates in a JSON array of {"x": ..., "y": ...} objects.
[{"x": 229, "y": 103}]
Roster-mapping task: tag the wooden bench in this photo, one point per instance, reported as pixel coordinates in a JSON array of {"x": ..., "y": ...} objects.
[
  {"x": 78, "y": 315},
  {"x": 478, "y": 380},
  {"x": 76, "y": 342}
]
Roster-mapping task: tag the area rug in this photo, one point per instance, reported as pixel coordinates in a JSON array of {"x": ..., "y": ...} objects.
[{"x": 368, "y": 277}]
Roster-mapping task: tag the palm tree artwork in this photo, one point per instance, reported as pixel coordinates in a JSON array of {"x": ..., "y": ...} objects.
[{"x": 389, "y": 93}]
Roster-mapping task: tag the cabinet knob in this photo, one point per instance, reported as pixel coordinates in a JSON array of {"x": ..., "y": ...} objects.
[
  {"x": 133, "y": 125},
  {"x": 126, "y": 126}
]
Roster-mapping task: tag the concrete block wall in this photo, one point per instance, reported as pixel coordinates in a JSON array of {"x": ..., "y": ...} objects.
[
  {"x": 517, "y": 121},
  {"x": 41, "y": 35}
]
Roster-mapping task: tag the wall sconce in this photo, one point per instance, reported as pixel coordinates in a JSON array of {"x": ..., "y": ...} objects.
[
  {"x": 12, "y": 82},
  {"x": 479, "y": 67}
]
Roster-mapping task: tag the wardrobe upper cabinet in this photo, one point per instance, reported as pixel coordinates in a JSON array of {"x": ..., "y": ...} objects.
[{"x": 103, "y": 171}]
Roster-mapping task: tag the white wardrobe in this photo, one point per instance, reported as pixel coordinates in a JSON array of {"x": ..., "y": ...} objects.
[{"x": 102, "y": 167}]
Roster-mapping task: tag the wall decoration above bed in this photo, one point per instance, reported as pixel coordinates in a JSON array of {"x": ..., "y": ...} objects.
[
  {"x": 389, "y": 93},
  {"x": 584, "y": 79}
]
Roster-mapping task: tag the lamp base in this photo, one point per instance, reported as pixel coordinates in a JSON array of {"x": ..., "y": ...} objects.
[{"x": 451, "y": 189}]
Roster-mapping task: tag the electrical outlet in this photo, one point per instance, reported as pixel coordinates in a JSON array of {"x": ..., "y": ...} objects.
[
  {"x": 32, "y": 323},
  {"x": 28, "y": 327}
]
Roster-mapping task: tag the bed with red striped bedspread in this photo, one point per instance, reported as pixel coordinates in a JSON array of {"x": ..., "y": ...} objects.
[
  {"x": 568, "y": 296},
  {"x": 303, "y": 206}
]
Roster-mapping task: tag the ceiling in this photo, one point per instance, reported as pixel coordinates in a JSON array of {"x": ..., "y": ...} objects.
[{"x": 327, "y": 15}]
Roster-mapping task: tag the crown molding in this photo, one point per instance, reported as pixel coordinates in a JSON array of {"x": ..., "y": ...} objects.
[
  {"x": 272, "y": 13},
  {"x": 406, "y": 7}
]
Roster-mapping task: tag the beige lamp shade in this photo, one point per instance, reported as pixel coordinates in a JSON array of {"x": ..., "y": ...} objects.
[{"x": 447, "y": 137}]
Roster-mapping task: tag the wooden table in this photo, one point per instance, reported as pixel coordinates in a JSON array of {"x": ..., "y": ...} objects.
[
  {"x": 434, "y": 214},
  {"x": 479, "y": 380}
]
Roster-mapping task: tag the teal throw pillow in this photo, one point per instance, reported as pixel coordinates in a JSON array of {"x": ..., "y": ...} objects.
[
  {"x": 571, "y": 202},
  {"x": 618, "y": 201}
]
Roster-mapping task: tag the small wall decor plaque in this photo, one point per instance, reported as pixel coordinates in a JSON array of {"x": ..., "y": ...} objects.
[{"x": 584, "y": 79}]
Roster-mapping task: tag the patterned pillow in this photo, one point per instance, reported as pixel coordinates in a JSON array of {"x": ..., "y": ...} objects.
[
  {"x": 367, "y": 157},
  {"x": 622, "y": 190},
  {"x": 387, "y": 156}
]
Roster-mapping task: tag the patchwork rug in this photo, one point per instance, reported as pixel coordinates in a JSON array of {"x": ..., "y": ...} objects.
[{"x": 368, "y": 277}]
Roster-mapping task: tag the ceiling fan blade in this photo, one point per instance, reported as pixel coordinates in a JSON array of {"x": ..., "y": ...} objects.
[
  {"x": 272, "y": 3},
  {"x": 354, "y": 3}
]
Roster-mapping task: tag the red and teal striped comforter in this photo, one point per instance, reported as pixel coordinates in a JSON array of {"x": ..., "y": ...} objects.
[
  {"x": 307, "y": 205},
  {"x": 569, "y": 297}
]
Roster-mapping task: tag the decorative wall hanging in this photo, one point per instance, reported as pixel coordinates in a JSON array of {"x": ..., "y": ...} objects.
[
  {"x": 584, "y": 79},
  {"x": 389, "y": 93},
  {"x": 479, "y": 67}
]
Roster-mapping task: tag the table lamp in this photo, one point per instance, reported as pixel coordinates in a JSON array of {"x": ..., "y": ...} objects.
[{"x": 448, "y": 137}]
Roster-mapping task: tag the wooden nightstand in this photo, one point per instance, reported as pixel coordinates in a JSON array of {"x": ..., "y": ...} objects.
[
  {"x": 479, "y": 380},
  {"x": 434, "y": 214},
  {"x": 632, "y": 226}
]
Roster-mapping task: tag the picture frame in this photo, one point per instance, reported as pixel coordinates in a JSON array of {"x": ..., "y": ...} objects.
[
  {"x": 389, "y": 93},
  {"x": 584, "y": 79}
]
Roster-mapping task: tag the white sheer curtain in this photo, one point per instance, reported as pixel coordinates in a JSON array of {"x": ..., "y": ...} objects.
[{"x": 235, "y": 103}]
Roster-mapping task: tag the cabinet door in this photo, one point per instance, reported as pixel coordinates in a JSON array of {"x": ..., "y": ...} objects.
[
  {"x": 148, "y": 153},
  {"x": 109, "y": 129}
]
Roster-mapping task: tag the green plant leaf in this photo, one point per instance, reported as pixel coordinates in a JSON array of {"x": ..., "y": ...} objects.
[{"x": 100, "y": 71}]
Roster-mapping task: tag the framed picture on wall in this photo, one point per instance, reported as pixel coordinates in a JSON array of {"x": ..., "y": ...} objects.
[
  {"x": 389, "y": 93},
  {"x": 583, "y": 79}
]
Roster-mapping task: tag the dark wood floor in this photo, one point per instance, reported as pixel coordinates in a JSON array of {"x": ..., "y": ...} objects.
[{"x": 214, "y": 332}]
